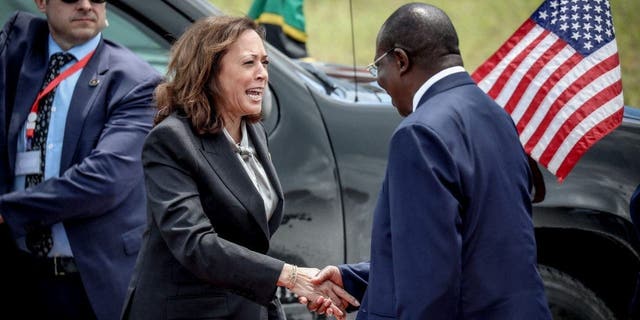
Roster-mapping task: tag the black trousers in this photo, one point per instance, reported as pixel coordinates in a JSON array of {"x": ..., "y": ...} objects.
[{"x": 29, "y": 290}]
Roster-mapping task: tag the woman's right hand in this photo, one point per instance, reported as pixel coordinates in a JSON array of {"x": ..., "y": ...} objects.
[
  {"x": 333, "y": 297},
  {"x": 329, "y": 280}
]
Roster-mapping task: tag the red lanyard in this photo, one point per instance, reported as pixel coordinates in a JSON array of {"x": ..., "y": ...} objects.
[{"x": 33, "y": 115}]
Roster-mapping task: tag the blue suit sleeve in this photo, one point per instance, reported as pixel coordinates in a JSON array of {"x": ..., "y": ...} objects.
[
  {"x": 426, "y": 241},
  {"x": 355, "y": 278}
]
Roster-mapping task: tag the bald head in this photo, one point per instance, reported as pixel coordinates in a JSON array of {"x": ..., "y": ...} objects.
[{"x": 425, "y": 32}]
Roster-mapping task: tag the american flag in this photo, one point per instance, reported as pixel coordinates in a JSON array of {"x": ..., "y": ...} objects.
[{"x": 558, "y": 76}]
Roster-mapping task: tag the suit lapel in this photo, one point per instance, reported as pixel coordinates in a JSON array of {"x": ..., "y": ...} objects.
[
  {"x": 82, "y": 101},
  {"x": 218, "y": 152},
  {"x": 29, "y": 83},
  {"x": 264, "y": 156}
]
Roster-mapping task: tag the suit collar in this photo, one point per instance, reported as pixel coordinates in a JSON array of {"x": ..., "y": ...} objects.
[
  {"x": 427, "y": 84},
  {"x": 446, "y": 83},
  {"x": 218, "y": 151}
]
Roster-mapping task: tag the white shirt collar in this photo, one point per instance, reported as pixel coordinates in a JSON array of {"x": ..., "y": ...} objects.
[
  {"x": 244, "y": 141},
  {"x": 425, "y": 86}
]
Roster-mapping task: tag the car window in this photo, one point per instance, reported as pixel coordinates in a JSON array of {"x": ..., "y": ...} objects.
[{"x": 128, "y": 32}]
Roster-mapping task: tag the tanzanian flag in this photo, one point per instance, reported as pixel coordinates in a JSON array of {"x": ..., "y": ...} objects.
[{"x": 284, "y": 23}]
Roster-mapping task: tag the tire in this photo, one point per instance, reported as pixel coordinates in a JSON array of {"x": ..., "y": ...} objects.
[{"x": 570, "y": 300}]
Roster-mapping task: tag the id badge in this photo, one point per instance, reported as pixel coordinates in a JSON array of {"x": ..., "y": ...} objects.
[{"x": 28, "y": 163}]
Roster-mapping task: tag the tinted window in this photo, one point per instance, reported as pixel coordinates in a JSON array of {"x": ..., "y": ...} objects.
[{"x": 138, "y": 38}]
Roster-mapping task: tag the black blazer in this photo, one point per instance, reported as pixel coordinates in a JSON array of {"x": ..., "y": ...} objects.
[{"x": 203, "y": 254}]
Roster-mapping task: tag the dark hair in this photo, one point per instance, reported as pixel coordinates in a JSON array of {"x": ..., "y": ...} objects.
[
  {"x": 423, "y": 30},
  {"x": 191, "y": 85}
]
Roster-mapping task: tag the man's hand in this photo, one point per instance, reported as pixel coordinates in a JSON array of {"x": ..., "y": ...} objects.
[
  {"x": 329, "y": 281},
  {"x": 303, "y": 287},
  {"x": 1, "y": 220}
]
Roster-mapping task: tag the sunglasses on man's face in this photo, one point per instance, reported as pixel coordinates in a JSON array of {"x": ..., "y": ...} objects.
[{"x": 92, "y": 1}]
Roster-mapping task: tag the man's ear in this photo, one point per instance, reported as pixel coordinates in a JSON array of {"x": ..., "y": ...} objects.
[
  {"x": 41, "y": 4},
  {"x": 402, "y": 60}
]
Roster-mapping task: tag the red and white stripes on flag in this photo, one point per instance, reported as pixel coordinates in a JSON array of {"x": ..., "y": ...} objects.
[{"x": 559, "y": 78}]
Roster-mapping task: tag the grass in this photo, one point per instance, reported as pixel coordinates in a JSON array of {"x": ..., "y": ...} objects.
[{"x": 482, "y": 25}]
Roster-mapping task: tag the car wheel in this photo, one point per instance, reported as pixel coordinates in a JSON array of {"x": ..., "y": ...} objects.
[{"x": 569, "y": 300}]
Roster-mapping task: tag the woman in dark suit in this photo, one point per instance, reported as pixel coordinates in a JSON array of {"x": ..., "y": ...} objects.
[{"x": 213, "y": 196}]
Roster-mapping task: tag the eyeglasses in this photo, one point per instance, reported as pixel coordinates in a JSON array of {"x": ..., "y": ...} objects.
[
  {"x": 92, "y": 1},
  {"x": 373, "y": 67}
]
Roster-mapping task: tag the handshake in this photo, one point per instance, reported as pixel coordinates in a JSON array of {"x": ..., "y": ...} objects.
[{"x": 321, "y": 290}]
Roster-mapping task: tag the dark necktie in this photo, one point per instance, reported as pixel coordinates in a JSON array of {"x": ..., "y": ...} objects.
[{"x": 38, "y": 239}]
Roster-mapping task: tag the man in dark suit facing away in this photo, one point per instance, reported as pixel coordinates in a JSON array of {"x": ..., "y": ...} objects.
[
  {"x": 74, "y": 110},
  {"x": 452, "y": 233}
]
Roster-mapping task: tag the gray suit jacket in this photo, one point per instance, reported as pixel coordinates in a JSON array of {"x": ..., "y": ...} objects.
[{"x": 203, "y": 255}]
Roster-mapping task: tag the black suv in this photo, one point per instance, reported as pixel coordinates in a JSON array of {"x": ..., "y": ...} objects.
[{"x": 329, "y": 143}]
